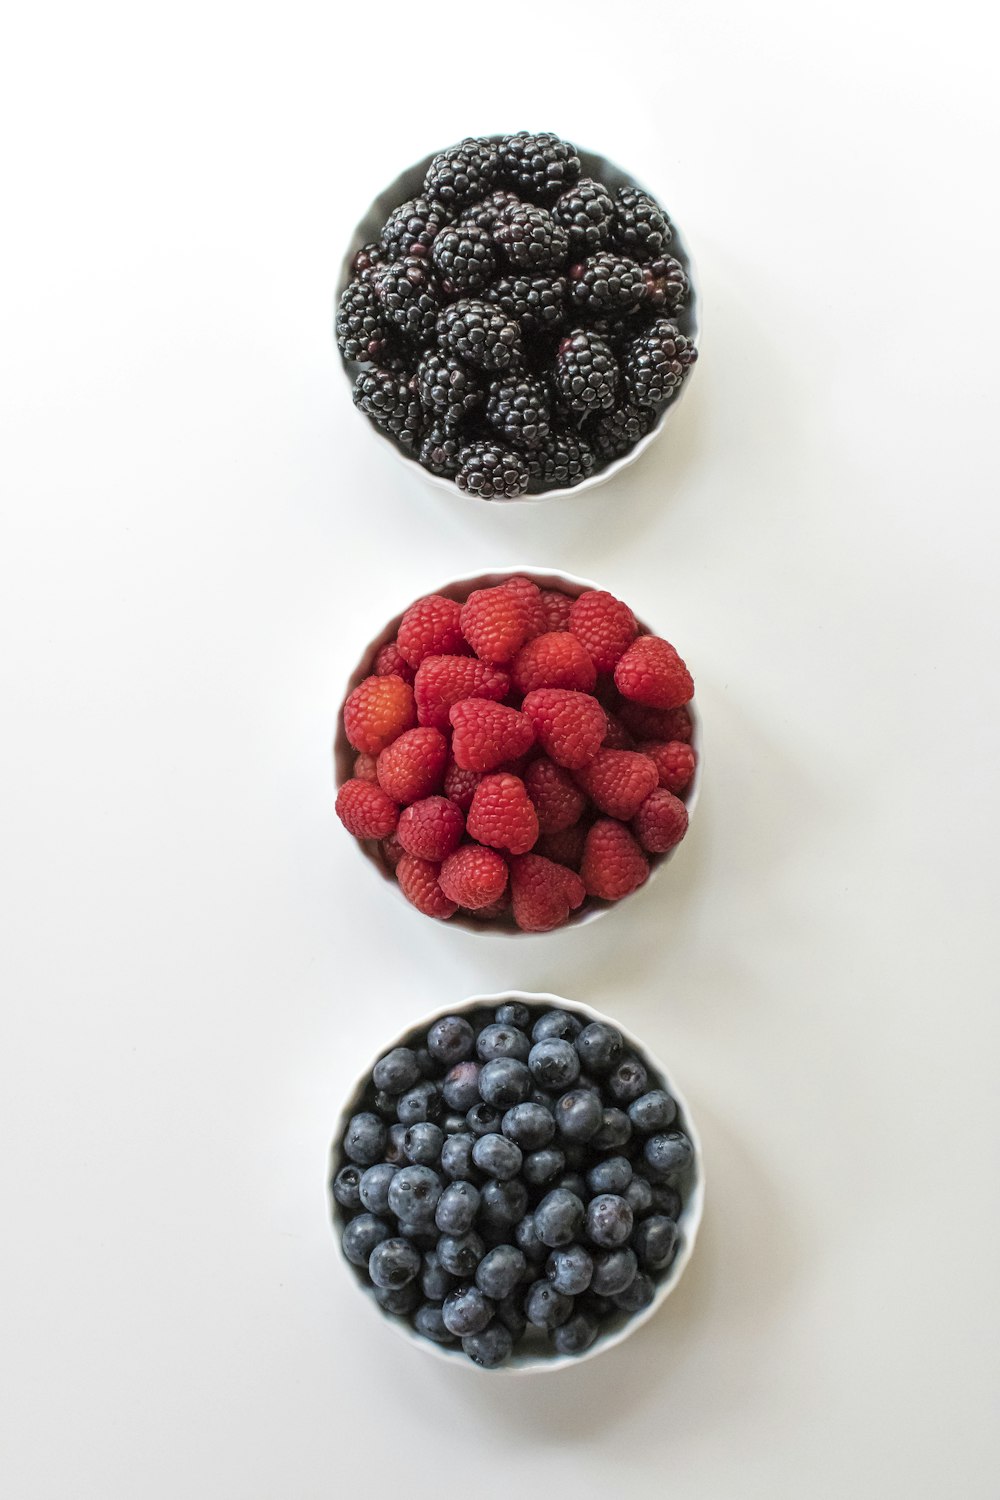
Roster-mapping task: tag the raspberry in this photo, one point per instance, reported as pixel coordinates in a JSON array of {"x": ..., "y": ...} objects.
[
  {"x": 488, "y": 734},
  {"x": 652, "y": 673},
  {"x": 474, "y": 877},
  {"x": 365, "y": 810},
  {"x": 613, "y": 865},
  {"x": 570, "y": 726},
  {"x": 460, "y": 785},
  {"x": 377, "y": 712},
  {"x": 532, "y": 596},
  {"x": 674, "y": 761},
  {"x": 544, "y": 893},
  {"x": 496, "y": 623},
  {"x": 431, "y": 627},
  {"x": 661, "y": 821},
  {"x": 365, "y": 769},
  {"x": 418, "y": 881},
  {"x": 444, "y": 680},
  {"x": 502, "y": 814},
  {"x": 557, "y": 799},
  {"x": 431, "y": 828},
  {"x": 413, "y": 766},
  {"x": 389, "y": 663},
  {"x": 557, "y": 608},
  {"x": 555, "y": 659},
  {"x": 392, "y": 851},
  {"x": 617, "y": 737},
  {"x": 618, "y": 782},
  {"x": 604, "y": 625},
  {"x": 566, "y": 848},
  {"x": 656, "y": 723},
  {"x": 495, "y": 912}
]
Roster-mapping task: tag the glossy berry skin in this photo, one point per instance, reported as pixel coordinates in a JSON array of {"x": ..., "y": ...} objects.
[
  {"x": 612, "y": 1175},
  {"x": 570, "y": 1270},
  {"x": 652, "y": 1112},
  {"x": 614, "y": 1271},
  {"x": 555, "y": 1023},
  {"x": 364, "y": 1139},
  {"x": 423, "y": 1102},
  {"x": 456, "y": 1156},
  {"x": 498, "y": 1040},
  {"x": 497, "y": 1156},
  {"x": 346, "y": 1187},
  {"x": 667, "y": 1155},
  {"x": 599, "y": 1047},
  {"x": 361, "y": 1236},
  {"x": 460, "y": 1254},
  {"x": 637, "y": 1295},
  {"x": 422, "y": 1143},
  {"x": 504, "y": 1082},
  {"x": 374, "y": 1188},
  {"x": 541, "y": 1168},
  {"x": 414, "y": 1193},
  {"x": 609, "y": 1221},
  {"x": 559, "y": 1218},
  {"x": 513, "y": 1014},
  {"x": 429, "y": 1321},
  {"x": 466, "y": 1311},
  {"x": 579, "y": 1114},
  {"x": 451, "y": 1040},
  {"x": 457, "y": 1208},
  {"x": 654, "y": 1242},
  {"x": 503, "y": 1203},
  {"x": 500, "y": 1271},
  {"x": 397, "y": 1071},
  {"x": 490, "y": 1347},
  {"x": 554, "y": 1063},
  {"x": 393, "y": 1263},
  {"x": 545, "y": 1307},
  {"x": 616, "y": 1129},
  {"x": 461, "y": 1086},
  {"x": 529, "y": 1126}
]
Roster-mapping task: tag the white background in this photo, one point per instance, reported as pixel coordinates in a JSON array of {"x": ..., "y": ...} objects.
[{"x": 198, "y": 538}]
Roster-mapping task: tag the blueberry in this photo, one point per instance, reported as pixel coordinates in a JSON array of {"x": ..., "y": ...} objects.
[
  {"x": 655, "y": 1241},
  {"x": 545, "y": 1307},
  {"x": 498, "y": 1157},
  {"x": 570, "y": 1269},
  {"x": 375, "y": 1187},
  {"x": 393, "y": 1262},
  {"x": 557, "y": 1023},
  {"x": 426, "y": 1063},
  {"x": 666, "y": 1200},
  {"x": 628, "y": 1080},
  {"x": 451, "y": 1040},
  {"x": 614, "y": 1271},
  {"x": 452, "y": 1124},
  {"x": 466, "y": 1311},
  {"x": 424, "y": 1102},
  {"x": 456, "y": 1156},
  {"x": 502, "y": 1041},
  {"x": 394, "y": 1150},
  {"x": 639, "y": 1196},
  {"x": 504, "y": 1081},
  {"x": 653, "y": 1111},
  {"x": 554, "y": 1063},
  {"x": 559, "y": 1218},
  {"x": 609, "y": 1221},
  {"x": 414, "y": 1194},
  {"x": 612, "y": 1175},
  {"x": 460, "y": 1254},
  {"x": 502, "y": 1203},
  {"x": 361, "y": 1236},
  {"x": 429, "y": 1322},
  {"x": 422, "y": 1143},
  {"x": 574, "y": 1182},
  {"x": 667, "y": 1155},
  {"x": 461, "y": 1086},
  {"x": 526, "y": 1236},
  {"x": 511, "y": 1313},
  {"x": 513, "y": 1013},
  {"x": 457, "y": 1208},
  {"x": 637, "y": 1295},
  {"x": 616, "y": 1129},
  {"x": 483, "y": 1119},
  {"x": 529, "y": 1126},
  {"x": 346, "y": 1187},
  {"x": 542, "y": 1167},
  {"x": 599, "y": 1046},
  {"x": 435, "y": 1281},
  {"x": 490, "y": 1347},
  {"x": 576, "y": 1334},
  {"x": 385, "y": 1104},
  {"x": 364, "y": 1139},
  {"x": 397, "y": 1071},
  {"x": 579, "y": 1115},
  {"x": 500, "y": 1271},
  {"x": 400, "y": 1300}
]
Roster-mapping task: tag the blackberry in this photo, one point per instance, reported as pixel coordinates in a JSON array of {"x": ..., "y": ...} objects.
[
  {"x": 615, "y": 432},
  {"x": 439, "y": 452},
  {"x": 392, "y": 404},
  {"x": 448, "y": 389},
  {"x": 519, "y": 410},
  {"x": 656, "y": 363},
  {"x": 485, "y": 212},
  {"x": 536, "y": 302},
  {"x": 480, "y": 335},
  {"x": 409, "y": 297},
  {"x": 586, "y": 212},
  {"x": 412, "y": 228},
  {"x": 608, "y": 285},
  {"x": 667, "y": 286},
  {"x": 362, "y": 329},
  {"x": 530, "y": 238},
  {"x": 490, "y": 472},
  {"x": 641, "y": 228},
  {"x": 539, "y": 167},
  {"x": 463, "y": 173},
  {"x": 563, "y": 461},
  {"x": 463, "y": 259},
  {"x": 586, "y": 375},
  {"x": 366, "y": 259}
]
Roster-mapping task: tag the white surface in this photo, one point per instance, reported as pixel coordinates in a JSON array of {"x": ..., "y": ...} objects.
[{"x": 196, "y": 539}]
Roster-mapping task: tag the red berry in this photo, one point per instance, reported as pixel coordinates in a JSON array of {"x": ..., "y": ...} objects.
[
  {"x": 558, "y": 800},
  {"x": 488, "y": 734},
  {"x": 365, "y": 810},
  {"x": 557, "y": 607},
  {"x": 431, "y": 828},
  {"x": 618, "y": 782},
  {"x": 555, "y": 659},
  {"x": 459, "y": 785},
  {"x": 431, "y": 627},
  {"x": 496, "y": 623},
  {"x": 389, "y": 663},
  {"x": 377, "y": 712},
  {"x": 661, "y": 821},
  {"x": 674, "y": 761},
  {"x": 532, "y": 596},
  {"x": 543, "y": 892},
  {"x": 365, "y": 769},
  {"x": 444, "y": 680},
  {"x": 474, "y": 877},
  {"x": 652, "y": 673},
  {"x": 656, "y": 723},
  {"x": 570, "y": 726},
  {"x": 413, "y": 766},
  {"x": 392, "y": 851},
  {"x": 604, "y": 625},
  {"x": 502, "y": 814},
  {"x": 495, "y": 912},
  {"x": 617, "y": 737},
  {"x": 613, "y": 865},
  {"x": 566, "y": 848},
  {"x": 418, "y": 881}
]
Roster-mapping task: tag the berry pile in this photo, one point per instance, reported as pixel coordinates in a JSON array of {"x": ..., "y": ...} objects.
[
  {"x": 513, "y": 1177},
  {"x": 518, "y": 325},
  {"x": 520, "y": 753}
]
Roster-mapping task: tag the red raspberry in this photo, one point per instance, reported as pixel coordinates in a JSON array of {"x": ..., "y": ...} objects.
[
  {"x": 488, "y": 734},
  {"x": 532, "y": 596},
  {"x": 474, "y": 877},
  {"x": 605, "y": 625},
  {"x": 495, "y": 912},
  {"x": 661, "y": 821},
  {"x": 674, "y": 761},
  {"x": 652, "y": 673},
  {"x": 555, "y": 659},
  {"x": 444, "y": 680},
  {"x": 502, "y": 815},
  {"x": 543, "y": 893},
  {"x": 558, "y": 800},
  {"x": 365, "y": 810},
  {"x": 459, "y": 785},
  {"x": 570, "y": 726},
  {"x": 377, "y": 712},
  {"x": 431, "y": 627},
  {"x": 566, "y": 848},
  {"x": 617, "y": 737},
  {"x": 431, "y": 828},
  {"x": 413, "y": 766},
  {"x": 392, "y": 851},
  {"x": 418, "y": 881},
  {"x": 389, "y": 663},
  {"x": 365, "y": 769},
  {"x": 618, "y": 782},
  {"x": 496, "y": 623},
  {"x": 613, "y": 864},
  {"x": 656, "y": 723},
  {"x": 557, "y": 608}
]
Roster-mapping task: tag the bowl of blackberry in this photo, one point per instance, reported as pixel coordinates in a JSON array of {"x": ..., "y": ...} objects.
[
  {"x": 516, "y": 317},
  {"x": 516, "y": 1183}
]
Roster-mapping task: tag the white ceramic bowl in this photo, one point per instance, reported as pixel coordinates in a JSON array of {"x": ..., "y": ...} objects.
[
  {"x": 408, "y": 185},
  {"x": 533, "y": 1361},
  {"x": 343, "y": 754}
]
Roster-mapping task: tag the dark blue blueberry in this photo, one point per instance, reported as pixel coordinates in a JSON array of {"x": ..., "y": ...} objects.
[
  {"x": 526, "y": 1236},
  {"x": 559, "y": 1218},
  {"x": 385, "y": 1105},
  {"x": 554, "y": 1063},
  {"x": 570, "y": 1269},
  {"x": 426, "y": 1063},
  {"x": 599, "y": 1046},
  {"x": 655, "y": 1242},
  {"x": 456, "y": 1156},
  {"x": 639, "y": 1196},
  {"x": 397, "y": 1071},
  {"x": 361, "y": 1236},
  {"x": 502, "y": 1041},
  {"x": 346, "y": 1187},
  {"x": 637, "y": 1295},
  {"x": 414, "y": 1194},
  {"x": 616, "y": 1129},
  {"x": 668, "y": 1155},
  {"x": 435, "y": 1281},
  {"x": 545, "y": 1307},
  {"x": 422, "y": 1143},
  {"x": 483, "y": 1119},
  {"x": 576, "y": 1334},
  {"x": 423, "y": 1235},
  {"x": 504, "y": 1081},
  {"x": 424, "y": 1102},
  {"x": 628, "y": 1080},
  {"x": 451, "y": 1040},
  {"x": 558, "y": 1023},
  {"x": 500, "y": 1271},
  {"x": 542, "y": 1097},
  {"x": 364, "y": 1139},
  {"x": 511, "y": 1313},
  {"x": 452, "y": 1124},
  {"x": 666, "y": 1200},
  {"x": 653, "y": 1111},
  {"x": 460, "y": 1254},
  {"x": 529, "y": 1126},
  {"x": 498, "y": 1157},
  {"x": 375, "y": 1187},
  {"x": 400, "y": 1300},
  {"x": 579, "y": 1115},
  {"x": 394, "y": 1262},
  {"x": 490, "y": 1347},
  {"x": 502, "y": 1203},
  {"x": 394, "y": 1152},
  {"x": 466, "y": 1311},
  {"x": 542, "y": 1167},
  {"x": 609, "y": 1221},
  {"x": 513, "y": 1013},
  {"x": 614, "y": 1271},
  {"x": 461, "y": 1086},
  {"x": 574, "y": 1182},
  {"x": 429, "y": 1321},
  {"x": 612, "y": 1175},
  {"x": 457, "y": 1208}
]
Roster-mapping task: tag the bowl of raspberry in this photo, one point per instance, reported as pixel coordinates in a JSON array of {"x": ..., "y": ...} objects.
[
  {"x": 517, "y": 752},
  {"x": 516, "y": 317},
  {"x": 516, "y": 1184}
]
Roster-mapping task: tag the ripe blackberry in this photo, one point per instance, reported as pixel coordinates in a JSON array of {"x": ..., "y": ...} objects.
[
  {"x": 539, "y": 167},
  {"x": 439, "y": 452},
  {"x": 608, "y": 285},
  {"x": 586, "y": 213},
  {"x": 412, "y": 228},
  {"x": 656, "y": 363},
  {"x": 562, "y": 461},
  {"x": 391, "y": 402},
  {"x": 667, "y": 286},
  {"x": 615, "y": 432},
  {"x": 530, "y": 238},
  {"x": 641, "y": 228},
  {"x": 463, "y": 259},
  {"x": 480, "y": 335},
  {"x": 409, "y": 297},
  {"x": 484, "y": 213},
  {"x": 536, "y": 302},
  {"x": 519, "y": 410},
  {"x": 448, "y": 390},
  {"x": 586, "y": 375},
  {"x": 463, "y": 173},
  {"x": 362, "y": 329},
  {"x": 488, "y": 471}
]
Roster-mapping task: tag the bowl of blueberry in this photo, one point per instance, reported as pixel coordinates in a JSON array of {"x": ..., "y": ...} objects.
[
  {"x": 516, "y": 317},
  {"x": 516, "y": 1183}
]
